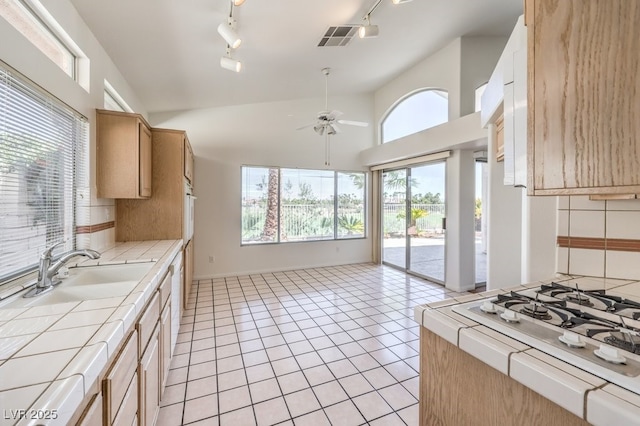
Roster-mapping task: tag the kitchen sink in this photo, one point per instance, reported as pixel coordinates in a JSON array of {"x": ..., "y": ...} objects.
[{"x": 87, "y": 283}]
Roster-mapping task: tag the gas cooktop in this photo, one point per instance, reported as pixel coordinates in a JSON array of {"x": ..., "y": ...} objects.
[{"x": 591, "y": 329}]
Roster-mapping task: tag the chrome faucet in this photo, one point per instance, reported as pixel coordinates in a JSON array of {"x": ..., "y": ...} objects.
[{"x": 46, "y": 270}]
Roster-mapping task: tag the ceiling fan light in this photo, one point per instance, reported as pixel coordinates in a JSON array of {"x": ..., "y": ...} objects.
[
  {"x": 368, "y": 31},
  {"x": 239, "y": 2},
  {"x": 332, "y": 130},
  {"x": 229, "y": 35},
  {"x": 230, "y": 64},
  {"x": 319, "y": 129}
]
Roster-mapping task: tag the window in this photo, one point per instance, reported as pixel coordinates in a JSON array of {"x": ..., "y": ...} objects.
[
  {"x": 42, "y": 150},
  {"x": 23, "y": 18},
  {"x": 414, "y": 113},
  {"x": 286, "y": 205},
  {"x": 113, "y": 101}
]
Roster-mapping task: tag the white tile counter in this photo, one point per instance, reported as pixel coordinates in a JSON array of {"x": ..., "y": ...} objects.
[
  {"x": 51, "y": 356},
  {"x": 579, "y": 392}
]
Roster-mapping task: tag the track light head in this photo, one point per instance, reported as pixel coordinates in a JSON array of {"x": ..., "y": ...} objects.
[
  {"x": 230, "y": 64},
  {"x": 229, "y": 35},
  {"x": 368, "y": 31}
]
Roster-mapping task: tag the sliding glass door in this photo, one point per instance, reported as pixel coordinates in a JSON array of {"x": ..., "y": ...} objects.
[
  {"x": 394, "y": 223},
  {"x": 413, "y": 217},
  {"x": 426, "y": 228}
]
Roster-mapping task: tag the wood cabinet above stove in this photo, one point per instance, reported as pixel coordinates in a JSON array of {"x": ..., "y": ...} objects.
[{"x": 583, "y": 96}]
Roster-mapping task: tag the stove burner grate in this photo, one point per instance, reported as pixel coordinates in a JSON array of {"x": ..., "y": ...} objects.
[
  {"x": 578, "y": 298},
  {"x": 536, "y": 311},
  {"x": 626, "y": 341}
]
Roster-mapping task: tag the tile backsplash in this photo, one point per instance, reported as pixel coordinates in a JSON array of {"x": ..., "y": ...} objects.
[{"x": 598, "y": 238}]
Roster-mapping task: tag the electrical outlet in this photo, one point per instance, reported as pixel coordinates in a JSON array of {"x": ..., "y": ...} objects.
[{"x": 212, "y": 259}]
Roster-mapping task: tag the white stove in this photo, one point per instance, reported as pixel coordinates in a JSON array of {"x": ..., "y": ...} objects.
[{"x": 594, "y": 330}]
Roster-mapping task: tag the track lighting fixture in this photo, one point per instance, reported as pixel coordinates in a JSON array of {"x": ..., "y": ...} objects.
[
  {"x": 228, "y": 63},
  {"x": 368, "y": 30},
  {"x": 227, "y": 32}
]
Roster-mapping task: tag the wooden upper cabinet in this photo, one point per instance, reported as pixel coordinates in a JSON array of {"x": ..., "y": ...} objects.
[
  {"x": 123, "y": 155},
  {"x": 583, "y": 96},
  {"x": 162, "y": 216}
]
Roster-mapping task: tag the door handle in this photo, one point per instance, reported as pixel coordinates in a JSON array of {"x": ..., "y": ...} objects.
[{"x": 444, "y": 223}]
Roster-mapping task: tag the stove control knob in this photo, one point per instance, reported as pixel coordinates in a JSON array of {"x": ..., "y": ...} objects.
[
  {"x": 610, "y": 354},
  {"x": 572, "y": 340},
  {"x": 488, "y": 307},
  {"x": 510, "y": 316}
]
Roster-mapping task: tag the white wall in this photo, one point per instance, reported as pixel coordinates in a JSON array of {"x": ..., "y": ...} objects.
[
  {"x": 479, "y": 57},
  {"x": 19, "y": 53},
  {"x": 264, "y": 134},
  {"x": 440, "y": 71}
]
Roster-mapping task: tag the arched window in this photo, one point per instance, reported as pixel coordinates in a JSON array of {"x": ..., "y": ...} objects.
[{"x": 414, "y": 113}]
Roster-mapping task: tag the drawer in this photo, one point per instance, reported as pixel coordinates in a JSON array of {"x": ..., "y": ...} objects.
[
  {"x": 92, "y": 415},
  {"x": 165, "y": 289},
  {"x": 129, "y": 411},
  {"x": 115, "y": 384},
  {"x": 148, "y": 321}
]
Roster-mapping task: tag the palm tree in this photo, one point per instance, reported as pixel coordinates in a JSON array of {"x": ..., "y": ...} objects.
[{"x": 270, "y": 230}]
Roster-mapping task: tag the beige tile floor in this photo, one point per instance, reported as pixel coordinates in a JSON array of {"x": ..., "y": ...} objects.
[{"x": 324, "y": 346}]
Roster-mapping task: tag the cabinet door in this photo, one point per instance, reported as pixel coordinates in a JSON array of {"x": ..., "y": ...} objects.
[
  {"x": 145, "y": 160},
  {"x": 129, "y": 411},
  {"x": 115, "y": 383},
  {"x": 147, "y": 322},
  {"x": 165, "y": 346},
  {"x": 583, "y": 97},
  {"x": 149, "y": 376},
  {"x": 123, "y": 155},
  {"x": 188, "y": 160},
  {"x": 188, "y": 272},
  {"x": 92, "y": 415}
]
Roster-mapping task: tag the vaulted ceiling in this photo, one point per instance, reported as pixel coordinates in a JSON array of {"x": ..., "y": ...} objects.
[{"x": 169, "y": 51}]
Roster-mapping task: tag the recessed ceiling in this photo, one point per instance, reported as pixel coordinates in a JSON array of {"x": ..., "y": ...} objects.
[{"x": 169, "y": 51}]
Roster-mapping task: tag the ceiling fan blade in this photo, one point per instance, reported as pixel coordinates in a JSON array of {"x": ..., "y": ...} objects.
[
  {"x": 306, "y": 126},
  {"x": 334, "y": 114},
  {"x": 353, "y": 123}
]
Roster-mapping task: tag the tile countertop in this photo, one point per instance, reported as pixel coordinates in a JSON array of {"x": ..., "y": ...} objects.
[
  {"x": 584, "y": 394},
  {"x": 50, "y": 356}
]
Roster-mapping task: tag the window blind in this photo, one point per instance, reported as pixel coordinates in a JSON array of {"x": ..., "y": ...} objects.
[{"x": 42, "y": 151}]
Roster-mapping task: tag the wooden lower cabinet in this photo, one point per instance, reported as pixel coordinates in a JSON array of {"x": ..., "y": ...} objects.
[
  {"x": 93, "y": 414},
  {"x": 165, "y": 345},
  {"x": 116, "y": 383},
  {"x": 150, "y": 380},
  {"x": 132, "y": 386},
  {"x": 128, "y": 413},
  {"x": 458, "y": 389}
]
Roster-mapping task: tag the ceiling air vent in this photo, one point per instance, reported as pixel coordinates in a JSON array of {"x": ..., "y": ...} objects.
[{"x": 338, "y": 36}]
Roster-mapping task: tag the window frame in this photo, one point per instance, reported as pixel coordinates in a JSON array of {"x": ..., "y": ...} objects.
[
  {"x": 335, "y": 237},
  {"x": 46, "y": 25},
  {"x": 75, "y": 170}
]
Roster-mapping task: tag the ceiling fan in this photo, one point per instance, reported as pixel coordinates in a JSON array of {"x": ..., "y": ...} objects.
[{"x": 327, "y": 121}]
